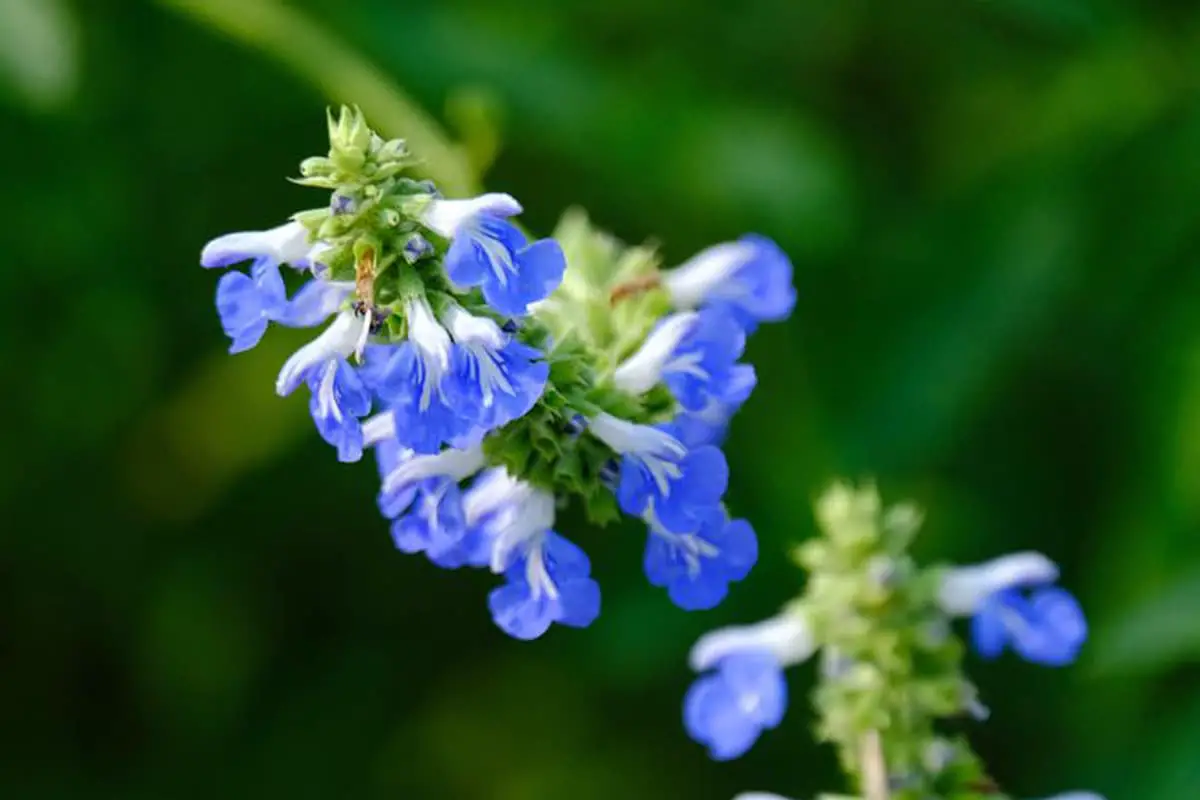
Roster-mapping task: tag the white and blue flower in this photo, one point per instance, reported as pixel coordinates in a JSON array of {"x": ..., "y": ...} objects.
[
  {"x": 751, "y": 277},
  {"x": 339, "y": 397},
  {"x": 547, "y": 578},
  {"x": 696, "y": 568},
  {"x": 488, "y": 251},
  {"x": 658, "y": 471},
  {"x": 415, "y": 379},
  {"x": 728, "y": 709},
  {"x": 693, "y": 353},
  {"x": 1043, "y": 624},
  {"x": 338, "y": 400},
  {"x": 495, "y": 375},
  {"x": 745, "y": 693},
  {"x": 421, "y": 495}
]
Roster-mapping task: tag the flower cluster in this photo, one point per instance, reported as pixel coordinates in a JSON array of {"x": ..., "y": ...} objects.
[
  {"x": 497, "y": 377},
  {"x": 890, "y": 666}
]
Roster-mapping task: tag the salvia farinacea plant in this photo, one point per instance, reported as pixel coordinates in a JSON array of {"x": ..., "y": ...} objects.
[{"x": 499, "y": 378}]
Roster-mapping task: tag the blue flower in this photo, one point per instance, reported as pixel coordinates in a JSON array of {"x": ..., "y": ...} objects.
[
  {"x": 696, "y": 568},
  {"x": 659, "y": 472},
  {"x": 496, "y": 377},
  {"x": 247, "y": 303},
  {"x": 416, "y": 383},
  {"x": 435, "y": 525},
  {"x": 1046, "y": 627},
  {"x": 693, "y": 353},
  {"x": 488, "y": 251},
  {"x": 727, "y": 710},
  {"x": 709, "y": 424},
  {"x": 338, "y": 400},
  {"x": 549, "y": 581},
  {"x": 702, "y": 364},
  {"x": 751, "y": 277}
]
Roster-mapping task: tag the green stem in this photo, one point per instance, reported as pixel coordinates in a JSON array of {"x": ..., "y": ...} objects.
[{"x": 341, "y": 75}]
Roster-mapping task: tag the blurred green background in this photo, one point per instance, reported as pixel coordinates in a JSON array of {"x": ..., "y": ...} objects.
[{"x": 993, "y": 207}]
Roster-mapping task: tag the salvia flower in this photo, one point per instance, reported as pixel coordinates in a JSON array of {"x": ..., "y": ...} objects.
[
  {"x": 660, "y": 474},
  {"x": 693, "y": 353},
  {"x": 697, "y": 567},
  {"x": 1012, "y": 603},
  {"x": 488, "y": 251},
  {"x": 494, "y": 387},
  {"x": 751, "y": 277},
  {"x": 745, "y": 692}
]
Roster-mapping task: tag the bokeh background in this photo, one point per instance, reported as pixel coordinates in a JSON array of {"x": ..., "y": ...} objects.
[{"x": 993, "y": 207}]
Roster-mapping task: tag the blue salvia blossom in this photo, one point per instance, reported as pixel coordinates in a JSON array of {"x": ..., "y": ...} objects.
[
  {"x": 488, "y": 251},
  {"x": 495, "y": 375},
  {"x": 547, "y": 578},
  {"x": 741, "y": 695},
  {"x": 742, "y": 691},
  {"x": 435, "y": 354},
  {"x": 1011, "y": 602},
  {"x": 751, "y": 278},
  {"x": 339, "y": 398},
  {"x": 697, "y": 567}
]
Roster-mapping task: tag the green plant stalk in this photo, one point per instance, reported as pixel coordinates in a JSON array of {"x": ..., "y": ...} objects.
[{"x": 341, "y": 75}]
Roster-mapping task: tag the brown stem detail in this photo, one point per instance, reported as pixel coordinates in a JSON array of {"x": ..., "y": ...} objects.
[
  {"x": 364, "y": 279},
  {"x": 632, "y": 287}
]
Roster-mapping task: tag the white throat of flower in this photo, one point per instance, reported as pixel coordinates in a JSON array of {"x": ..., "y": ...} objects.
[
  {"x": 432, "y": 344},
  {"x": 657, "y": 450},
  {"x": 690, "y": 546},
  {"x": 336, "y": 341},
  {"x": 644, "y": 369},
  {"x": 483, "y": 338},
  {"x": 710, "y": 272}
]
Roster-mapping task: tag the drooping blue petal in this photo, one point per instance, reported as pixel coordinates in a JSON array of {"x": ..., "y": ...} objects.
[
  {"x": 338, "y": 400},
  {"x": 435, "y": 525},
  {"x": 710, "y": 424},
  {"x": 247, "y": 303},
  {"x": 1047, "y": 627},
  {"x": 393, "y": 501},
  {"x": 703, "y": 476},
  {"x": 426, "y": 419},
  {"x": 696, "y": 568},
  {"x": 550, "y": 582},
  {"x": 728, "y": 709}
]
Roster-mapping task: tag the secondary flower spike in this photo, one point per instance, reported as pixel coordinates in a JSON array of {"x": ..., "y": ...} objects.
[
  {"x": 497, "y": 383},
  {"x": 889, "y": 666}
]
